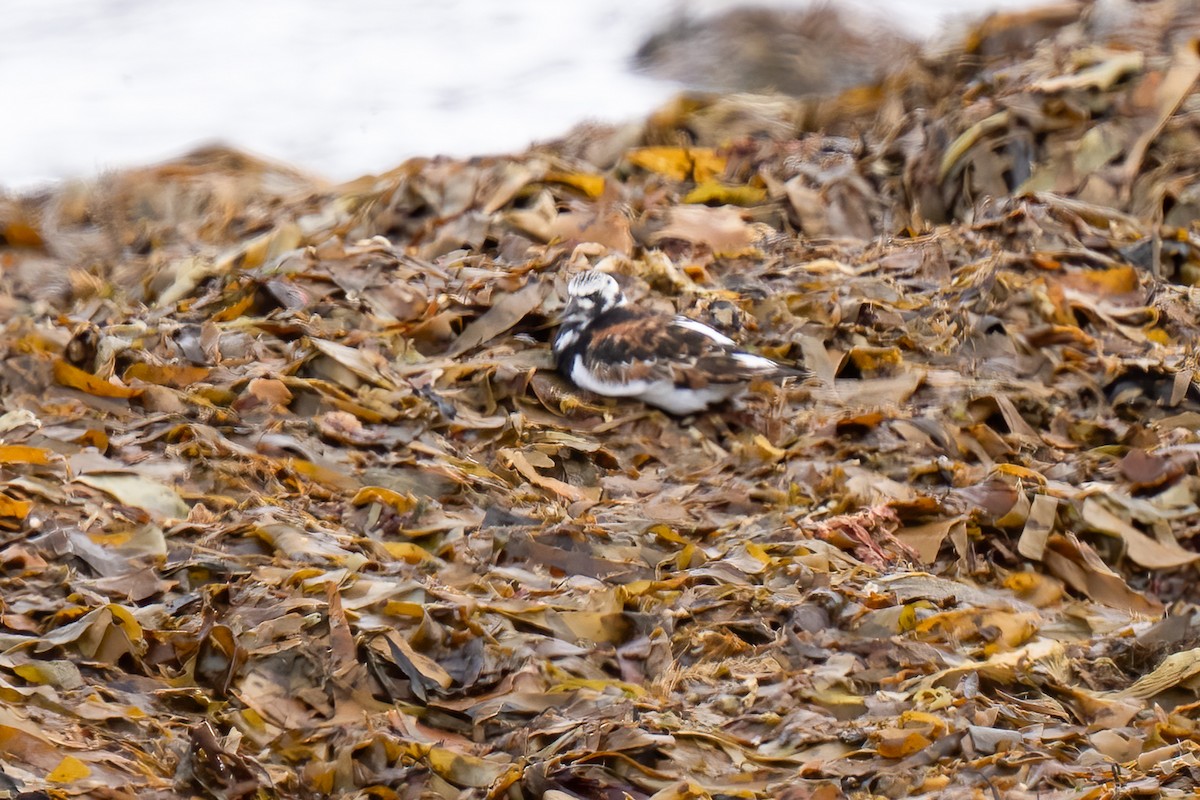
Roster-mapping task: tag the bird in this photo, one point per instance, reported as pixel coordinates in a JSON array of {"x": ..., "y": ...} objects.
[{"x": 609, "y": 347}]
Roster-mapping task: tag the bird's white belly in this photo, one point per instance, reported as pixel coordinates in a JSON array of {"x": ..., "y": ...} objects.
[
  {"x": 682, "y": 400},
  {"x": 662, "y": 393}
]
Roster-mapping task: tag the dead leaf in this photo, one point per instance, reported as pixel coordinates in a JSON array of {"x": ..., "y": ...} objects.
[
  {"x": 75, "y": 378},
  {"x": 1144, "y": 550},
  {"x": 722, "y": 230},
  {"x": 160, "y": 501},
  {"x": 511, "y": 309}
]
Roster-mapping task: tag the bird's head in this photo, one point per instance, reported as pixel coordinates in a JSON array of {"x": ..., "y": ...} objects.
[{"x": 591, "y": 294}]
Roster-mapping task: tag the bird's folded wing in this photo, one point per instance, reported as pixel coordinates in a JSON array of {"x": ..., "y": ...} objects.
[{"x": 652, "y": 347}]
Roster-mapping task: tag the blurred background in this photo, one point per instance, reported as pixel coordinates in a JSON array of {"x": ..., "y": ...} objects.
[{"x": 353, "y": 88}]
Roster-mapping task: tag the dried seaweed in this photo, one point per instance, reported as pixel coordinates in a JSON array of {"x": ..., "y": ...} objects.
[{"x": 294, "y": 504}]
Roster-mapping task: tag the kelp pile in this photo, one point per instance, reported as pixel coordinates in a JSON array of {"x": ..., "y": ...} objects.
[{"x": 293, "y": 503}]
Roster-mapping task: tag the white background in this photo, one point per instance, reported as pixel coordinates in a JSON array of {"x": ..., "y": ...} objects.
[{"x": 338, "y": 88}]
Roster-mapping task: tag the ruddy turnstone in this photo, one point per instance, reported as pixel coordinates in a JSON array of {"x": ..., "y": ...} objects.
[{"x": 682, "y": 366}]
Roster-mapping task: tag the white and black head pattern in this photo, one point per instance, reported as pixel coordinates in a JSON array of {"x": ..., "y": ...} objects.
[
  {"x": 589, "y": 294},
  {"x": 678, "y": 364}
]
